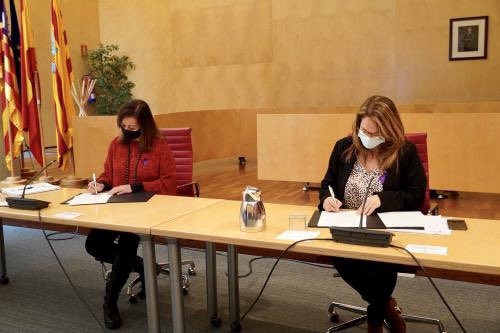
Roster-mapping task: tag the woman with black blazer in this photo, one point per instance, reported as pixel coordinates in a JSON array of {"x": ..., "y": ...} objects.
[{"x": 378, "y": 152}]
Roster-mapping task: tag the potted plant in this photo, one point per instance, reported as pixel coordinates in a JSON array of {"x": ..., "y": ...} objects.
[{"x": 112, "y": 87}]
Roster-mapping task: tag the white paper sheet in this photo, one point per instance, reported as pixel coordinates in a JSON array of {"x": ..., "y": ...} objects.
[
  {"x": 402, "y": 219},
  {"x": 343, "y": 218},
  {"x": 67, "y": 215},
  {"x": 17, "y": 191},
  {"x": 297, "y": 235},
  {"x": 89, "y": 199},
  {"x": 427, "y": 249}
]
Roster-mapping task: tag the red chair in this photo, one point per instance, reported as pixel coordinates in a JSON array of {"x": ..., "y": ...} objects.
[
  {"x": 179, "y": 141},
  {"x": 427, "y": 208},
  {"x": 420, "y": 140}
]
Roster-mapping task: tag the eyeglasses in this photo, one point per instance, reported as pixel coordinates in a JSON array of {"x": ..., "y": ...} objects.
[{"x": 370, "y": 135}]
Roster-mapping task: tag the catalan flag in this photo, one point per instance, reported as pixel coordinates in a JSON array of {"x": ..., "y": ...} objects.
[
  {"x": 9, "y": 96},
  {"x": 62, "y": 79},
  {"x": 29, "y": 84}
]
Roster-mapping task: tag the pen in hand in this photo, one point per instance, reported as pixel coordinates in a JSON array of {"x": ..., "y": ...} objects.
[
  {"x": 95, "y": 182},
  {"x": 332, "y": 194}
]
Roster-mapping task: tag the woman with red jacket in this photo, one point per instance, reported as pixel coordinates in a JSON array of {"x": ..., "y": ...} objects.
[{"x": 138, "y": 160}]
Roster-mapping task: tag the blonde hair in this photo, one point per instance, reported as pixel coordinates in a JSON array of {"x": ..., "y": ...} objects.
[{"x": 384, "y": 113}]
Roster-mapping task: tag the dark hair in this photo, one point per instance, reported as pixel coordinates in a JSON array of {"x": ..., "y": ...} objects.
[
  {"x": 140, "y": 110},
  {"x": 384, "y": 113}
]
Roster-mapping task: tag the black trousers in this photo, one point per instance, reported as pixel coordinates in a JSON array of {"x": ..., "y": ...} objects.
[
  {"x": 374, "y": 281},
  {"x": 122, "y": 255}
]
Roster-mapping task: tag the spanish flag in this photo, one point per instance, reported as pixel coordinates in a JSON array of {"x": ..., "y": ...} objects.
[
  {"x": 62, "y": 79},
  {"x": 29, "y": 84},
  {"x": 9, "y": 95}
]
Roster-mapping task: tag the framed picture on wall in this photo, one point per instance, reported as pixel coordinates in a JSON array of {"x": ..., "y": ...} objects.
[{"x": 468, "y": 38}]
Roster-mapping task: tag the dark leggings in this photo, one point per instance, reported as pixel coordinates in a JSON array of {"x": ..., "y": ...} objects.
[
  {"x": 374, "y": 281},
  {"x": 122, "y": 255}
]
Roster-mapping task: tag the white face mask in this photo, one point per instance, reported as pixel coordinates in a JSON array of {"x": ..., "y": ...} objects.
[{"x": 369, "y": 142}]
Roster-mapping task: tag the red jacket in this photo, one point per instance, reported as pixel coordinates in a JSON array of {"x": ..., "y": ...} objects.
[{"x": 155, "y": 168}]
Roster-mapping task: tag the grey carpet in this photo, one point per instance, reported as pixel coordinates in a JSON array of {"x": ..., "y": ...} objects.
[{"x": 39, "y": 299}]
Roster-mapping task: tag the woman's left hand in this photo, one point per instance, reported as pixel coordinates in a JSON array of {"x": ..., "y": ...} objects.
[
  {"x": 372, "y": 203},
  {"x": 122, "y": 189}
]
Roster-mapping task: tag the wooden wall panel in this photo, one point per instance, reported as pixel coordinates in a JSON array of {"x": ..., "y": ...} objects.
[
  {"x": 462, "y": 147},
  {"x": 239, "y": 33}
]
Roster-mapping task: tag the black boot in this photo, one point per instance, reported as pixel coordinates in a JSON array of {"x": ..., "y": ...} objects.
[
  {"x": 117, "y": 279},
  {"x": 112, "y": 319}
]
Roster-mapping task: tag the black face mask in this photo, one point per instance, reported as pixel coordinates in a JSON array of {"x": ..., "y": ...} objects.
[{"x": 131, "y": 135}]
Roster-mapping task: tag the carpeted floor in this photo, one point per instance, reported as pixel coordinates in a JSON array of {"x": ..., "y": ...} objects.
[{"x": 39, "y": 299}]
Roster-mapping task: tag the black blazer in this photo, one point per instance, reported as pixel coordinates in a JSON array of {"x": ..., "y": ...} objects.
[{"x": 402, "y": 190}]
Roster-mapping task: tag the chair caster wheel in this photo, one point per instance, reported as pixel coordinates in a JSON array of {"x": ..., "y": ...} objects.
[
  {"x": 185, "y": 291},
  {"x": 334, "y": 317},
  {"x": 216, "y": 322},
  {"x": 191, "y": 271},
  {"x": 235, "y": 326},
  {"x": 132, "y": 299},
  {"x": 4, "y": 280}
]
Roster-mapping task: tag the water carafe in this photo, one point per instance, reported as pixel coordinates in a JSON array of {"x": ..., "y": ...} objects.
[{"x": 252, "y": 212}]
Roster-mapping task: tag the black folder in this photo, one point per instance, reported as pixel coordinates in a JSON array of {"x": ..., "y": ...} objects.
[{"x": 143, "y": 196}]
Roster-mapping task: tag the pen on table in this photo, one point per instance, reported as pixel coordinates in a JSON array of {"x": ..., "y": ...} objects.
[
  {"x": 332, "y": 194},
  {"x": 95, "y": 182}
]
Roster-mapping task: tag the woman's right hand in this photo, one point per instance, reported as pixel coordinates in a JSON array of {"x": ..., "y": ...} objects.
[
  {"x": 95, "y": 188},
  {"x": 331, "y": 205}
]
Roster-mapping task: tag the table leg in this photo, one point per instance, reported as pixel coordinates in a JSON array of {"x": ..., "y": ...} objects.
[
  {"x": 211, "y": 270},
  {"x": 148, "y": 251},
  {"x": 234, "y": 293},
  {"x": 174, "y": 260},
  {"x": 3, "y": 263}
]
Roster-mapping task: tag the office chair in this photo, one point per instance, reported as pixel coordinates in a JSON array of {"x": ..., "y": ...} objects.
[
  {"x": 179, "y": 141},
  {"x": 428, "y": 208}
]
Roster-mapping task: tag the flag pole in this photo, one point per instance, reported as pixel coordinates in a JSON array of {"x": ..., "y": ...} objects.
[
  {"x": 11, "y": 152},
  {"x": 40, "y": 127}
]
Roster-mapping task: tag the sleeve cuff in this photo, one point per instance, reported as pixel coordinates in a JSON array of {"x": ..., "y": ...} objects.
[
  {"x": 107, "y": 187},
  {"x": 137, "y": 187}
]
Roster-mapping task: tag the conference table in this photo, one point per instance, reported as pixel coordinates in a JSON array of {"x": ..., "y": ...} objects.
[
  {"x": 212, "y": 221},
  {"x": 137, "y": 217},
  {"x": 476, "y": 250}
]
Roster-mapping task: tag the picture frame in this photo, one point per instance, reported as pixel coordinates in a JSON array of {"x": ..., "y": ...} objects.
[{"x": 468, "y": 38}]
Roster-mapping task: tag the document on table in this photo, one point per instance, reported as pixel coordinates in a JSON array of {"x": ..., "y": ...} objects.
[
  {"x": 415, "y": 222},
  {"x": 17, "y": 191},
  {"x": 403, "y": 220},
  {"x": 89, "y": 199},
  {"x": 67, "y": 215},
  {"x": 427, "y": 249},
  {"x": 343, "y": 218}
]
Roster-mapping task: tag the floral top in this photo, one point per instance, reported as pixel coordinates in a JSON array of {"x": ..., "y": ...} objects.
[{"x": 358, "y": 182}]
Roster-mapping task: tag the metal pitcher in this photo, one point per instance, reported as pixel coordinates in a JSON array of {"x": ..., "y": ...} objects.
[{"x": 252, "y": 211}]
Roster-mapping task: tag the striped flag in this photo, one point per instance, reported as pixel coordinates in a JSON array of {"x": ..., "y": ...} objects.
[
  {"x": 29, "y": 83},
  {"x": 9, "y": 95},
  {"x": 62, "y": 79}
]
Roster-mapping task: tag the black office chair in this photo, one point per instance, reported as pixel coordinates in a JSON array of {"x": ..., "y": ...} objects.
[{"x": 428, "y": 208}]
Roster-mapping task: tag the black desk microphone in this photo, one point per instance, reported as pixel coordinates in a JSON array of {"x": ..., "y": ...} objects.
[
  {"x": 25, "y": 203},
  {"x": 360, "y": 235}
]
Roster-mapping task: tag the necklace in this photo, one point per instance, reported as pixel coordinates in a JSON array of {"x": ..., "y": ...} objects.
[{"x": 127, "y": 166}]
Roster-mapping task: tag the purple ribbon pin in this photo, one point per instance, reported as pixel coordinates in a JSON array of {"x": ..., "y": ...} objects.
[{"x": 382, "y": 177}]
